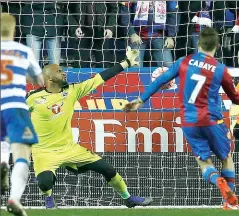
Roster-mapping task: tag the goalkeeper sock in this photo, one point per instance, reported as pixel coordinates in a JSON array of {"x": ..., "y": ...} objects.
[
  {"x": 211, "y": 175},
  {"x": 229, "y": 175},
  {"x": 19, "y": 179},
  {"x": 119, "y": 185},
  {"x": 47, "y": 193}
]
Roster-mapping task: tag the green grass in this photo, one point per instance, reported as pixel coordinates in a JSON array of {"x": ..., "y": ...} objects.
[{"x": 129, "y": 212}]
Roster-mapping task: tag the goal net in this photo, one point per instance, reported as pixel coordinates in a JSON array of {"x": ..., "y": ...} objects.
[{"x": 148, "y": 147}]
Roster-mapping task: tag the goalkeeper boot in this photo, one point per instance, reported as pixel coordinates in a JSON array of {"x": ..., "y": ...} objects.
[
  {"x": 4, "y": 178},
  {"x": 226, "y": 192},
  {"x": 15, "y": 208},
  {"x": 50, "y": 203},
  {"x": 226, "y": 206},
  {"x": 138, "y": 201}
]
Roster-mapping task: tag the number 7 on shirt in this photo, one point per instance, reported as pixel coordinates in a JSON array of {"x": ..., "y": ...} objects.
[{"x": 200, "y": 81}]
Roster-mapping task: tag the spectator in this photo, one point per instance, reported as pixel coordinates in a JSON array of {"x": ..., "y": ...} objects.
[
  {"x": 150, "y": 23},
  {"x": 228, "y": 39},
  {"x": 97, "y": 22},
  {"x": 16, "y": 10},
  {"x": 234, "y": 39},
  {"x": 202, "y": 14},
  {"x": 43, "y": 24}
]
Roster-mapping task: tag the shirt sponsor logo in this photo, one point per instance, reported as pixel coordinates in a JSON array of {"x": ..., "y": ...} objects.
[{"x": 41, "y": 101}]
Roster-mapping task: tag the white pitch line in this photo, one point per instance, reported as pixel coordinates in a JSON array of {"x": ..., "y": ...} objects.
[{"x": 124, "y": 207}]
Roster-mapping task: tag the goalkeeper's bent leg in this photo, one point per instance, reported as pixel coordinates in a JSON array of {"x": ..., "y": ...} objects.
[
  {"x": 118, "y": 183},
  {"x": 112, "y": 177},
  {"x": 46, "y": 181},
  {"x": 21, "y": 156}
]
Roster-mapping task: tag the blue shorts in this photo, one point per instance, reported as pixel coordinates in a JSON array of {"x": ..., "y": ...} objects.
[
  {"x": 207, "y": 139},
  {"x": 16, "y": 125}
]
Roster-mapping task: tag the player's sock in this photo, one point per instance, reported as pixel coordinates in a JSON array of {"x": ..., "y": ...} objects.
[
  {"x": 47, "y": 193},
  {"x": 119, "y": 185},
  {"x": 229, "y": 176},
  {"x": 211, "y": 175},
  {"x": 5, "y": 152},
  {"x": 19, "y": 179}
]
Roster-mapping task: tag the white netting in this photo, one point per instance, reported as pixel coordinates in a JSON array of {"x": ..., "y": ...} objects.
[{"x": 148, "y": 148}]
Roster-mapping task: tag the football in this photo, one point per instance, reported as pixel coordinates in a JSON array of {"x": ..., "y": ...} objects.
[{"x": 159, "y": 71}]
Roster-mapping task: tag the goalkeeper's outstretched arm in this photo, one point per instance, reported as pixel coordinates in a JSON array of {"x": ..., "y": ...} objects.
[
  {"x": 89, "y": 85},
  {"x": 129, "y": 61}
]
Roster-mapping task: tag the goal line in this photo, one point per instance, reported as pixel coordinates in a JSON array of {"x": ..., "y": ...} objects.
[{"x": 124, "y": 207}]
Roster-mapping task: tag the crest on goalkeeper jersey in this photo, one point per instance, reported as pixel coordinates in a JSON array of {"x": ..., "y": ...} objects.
[{"x": 56, "y": 108}]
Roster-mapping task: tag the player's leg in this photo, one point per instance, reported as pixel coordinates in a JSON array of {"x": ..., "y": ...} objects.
[
  {"x": 236, "y": 135},
  {"x": 21, "y": 134},
  {"x": 35, "y": 43},
  {"x": 45, "y": 181},
  {"x": 162, "y": 55},
  {"x": 54, "y": 49},
  {"x": 45, "y": 165},
  {"x": 228, "y": 172},
  {"x": 220, "y": 144},
  {"x": 201, "y": 150},
  {"x": 21, "y": 157},
  {"x": 4, "y": 167},
  {"x": 5, "y": 152},
  {"x": 86, "y": 160}
]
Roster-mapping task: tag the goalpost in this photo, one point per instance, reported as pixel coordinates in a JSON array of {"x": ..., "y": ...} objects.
[{"x": 147, "y": 148}]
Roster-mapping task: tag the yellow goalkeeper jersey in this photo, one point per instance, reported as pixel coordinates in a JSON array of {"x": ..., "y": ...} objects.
[{"x": 51, "y": 114}]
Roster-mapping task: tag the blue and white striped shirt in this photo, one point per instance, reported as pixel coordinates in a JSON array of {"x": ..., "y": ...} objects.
[{"x": 16, "y": 61}]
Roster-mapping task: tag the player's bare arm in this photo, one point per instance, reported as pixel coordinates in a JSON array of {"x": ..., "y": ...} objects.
[{"x": 170, "y": 74}]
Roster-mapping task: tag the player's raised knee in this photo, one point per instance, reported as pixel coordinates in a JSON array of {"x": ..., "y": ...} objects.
[{"x": 45, "y": 181}]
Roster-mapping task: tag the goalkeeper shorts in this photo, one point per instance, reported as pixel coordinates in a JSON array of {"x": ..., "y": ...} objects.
[
  {"x": 16, "y": 127},
  {"x": 72, "y": 156},
  {"x": 208, "y": 139}
]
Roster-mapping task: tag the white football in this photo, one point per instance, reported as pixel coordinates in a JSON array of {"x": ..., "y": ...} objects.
[{"x": 159, "y": 71}]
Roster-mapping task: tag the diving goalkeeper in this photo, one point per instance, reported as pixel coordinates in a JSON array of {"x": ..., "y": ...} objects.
[{"x": 51, "y": 109}]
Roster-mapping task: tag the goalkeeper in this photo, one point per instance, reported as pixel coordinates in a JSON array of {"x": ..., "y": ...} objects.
[{"x": 51, "y": 109}]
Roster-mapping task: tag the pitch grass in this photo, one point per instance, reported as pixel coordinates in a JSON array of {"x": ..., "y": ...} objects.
[{"x": 129, "y": 212}]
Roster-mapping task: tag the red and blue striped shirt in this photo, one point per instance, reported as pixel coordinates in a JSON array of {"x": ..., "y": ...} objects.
[{"x": 201, "y": 77}]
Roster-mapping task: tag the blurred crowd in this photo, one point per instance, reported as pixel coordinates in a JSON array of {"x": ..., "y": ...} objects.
[{"x": 96, "y": 34}]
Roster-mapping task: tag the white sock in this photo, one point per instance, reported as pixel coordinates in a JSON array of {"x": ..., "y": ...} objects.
[
  {"x": 18, "y": 180},
  {"x": 5, "y": 152}
]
